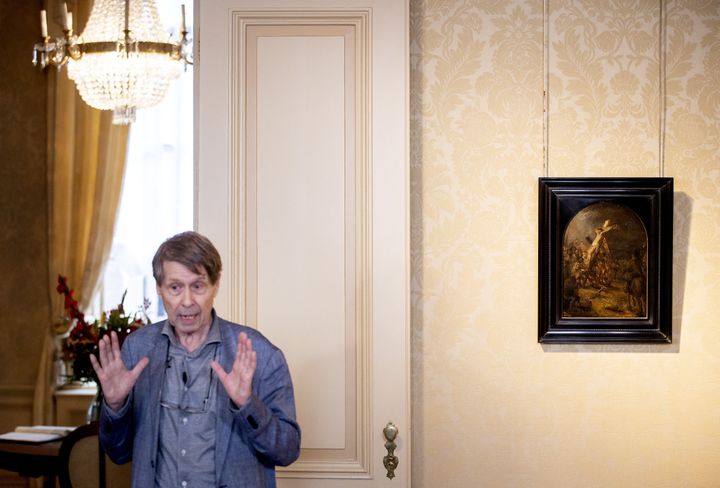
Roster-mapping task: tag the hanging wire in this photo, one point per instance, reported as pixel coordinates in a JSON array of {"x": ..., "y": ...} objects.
[
  {"x": 662, "y": 86},
  {"x": 546, "y": 83}
]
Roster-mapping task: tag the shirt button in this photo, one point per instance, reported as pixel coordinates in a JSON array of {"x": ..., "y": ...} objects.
[
  {"x": 184, "y": 420},
  {"x": 184, "y": 483},
  {"x": 182, "y": 452}
]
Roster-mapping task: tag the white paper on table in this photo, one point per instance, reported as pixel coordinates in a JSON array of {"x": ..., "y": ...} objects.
[{"x": 37, "y": 433}]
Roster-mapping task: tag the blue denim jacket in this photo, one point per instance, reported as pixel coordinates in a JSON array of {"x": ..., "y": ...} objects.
[{"x": 249, "y": 442}]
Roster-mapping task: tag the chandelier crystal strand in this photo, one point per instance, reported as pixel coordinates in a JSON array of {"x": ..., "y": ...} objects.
[{"x": 124, "y": 58}]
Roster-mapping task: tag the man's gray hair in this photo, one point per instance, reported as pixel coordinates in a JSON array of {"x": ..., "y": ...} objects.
[{"x": 191, "y": 249}]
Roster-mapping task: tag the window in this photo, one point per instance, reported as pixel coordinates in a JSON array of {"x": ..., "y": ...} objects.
[{"x": 157, "y": 195}]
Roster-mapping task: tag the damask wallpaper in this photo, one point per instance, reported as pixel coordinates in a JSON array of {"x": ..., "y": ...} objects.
[
  {"x": 24, "y": 299},
  {"x": 633, "y": 89}
]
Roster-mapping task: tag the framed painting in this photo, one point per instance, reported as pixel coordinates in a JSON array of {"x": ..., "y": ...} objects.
[{"x": 605, "y": 260}]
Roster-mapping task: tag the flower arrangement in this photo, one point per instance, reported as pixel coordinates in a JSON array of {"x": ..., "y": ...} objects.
[{"x": 84, "y": 336}]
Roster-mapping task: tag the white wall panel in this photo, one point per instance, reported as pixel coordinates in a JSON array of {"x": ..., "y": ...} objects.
[{"x": 301, "y": 278}]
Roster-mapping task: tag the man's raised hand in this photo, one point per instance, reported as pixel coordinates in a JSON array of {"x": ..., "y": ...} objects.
[
  {"x": 238, "y": 381},
  {"x": 116, "y": 380}
]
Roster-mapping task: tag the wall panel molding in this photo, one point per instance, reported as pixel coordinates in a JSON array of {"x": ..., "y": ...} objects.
[
  {"x": 16, "y": 395},
  {"x": 340, "y": 454}
]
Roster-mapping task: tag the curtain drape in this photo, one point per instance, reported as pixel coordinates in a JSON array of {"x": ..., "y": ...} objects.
[{"x": 85, "y": 170}]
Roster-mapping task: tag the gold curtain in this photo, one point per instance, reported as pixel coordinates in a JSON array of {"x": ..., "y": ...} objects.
[{"x": 85, "y": 171}]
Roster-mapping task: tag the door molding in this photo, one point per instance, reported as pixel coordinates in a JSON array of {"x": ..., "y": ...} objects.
[
  {"x": 367, "y": 42},
  {"x": 247, "y": 27}
]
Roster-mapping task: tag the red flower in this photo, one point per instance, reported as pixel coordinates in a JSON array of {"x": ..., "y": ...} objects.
[{"x": 83, "y": 338}]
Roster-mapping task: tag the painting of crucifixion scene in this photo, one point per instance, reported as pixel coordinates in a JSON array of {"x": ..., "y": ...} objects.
[{"x": 604, "y": 263}]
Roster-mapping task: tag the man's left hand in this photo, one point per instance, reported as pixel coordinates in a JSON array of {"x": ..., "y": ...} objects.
[{"x": 238, "y": 381}]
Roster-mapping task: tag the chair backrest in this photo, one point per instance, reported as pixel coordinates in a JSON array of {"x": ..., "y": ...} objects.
[{"x": 82, "y": 461}]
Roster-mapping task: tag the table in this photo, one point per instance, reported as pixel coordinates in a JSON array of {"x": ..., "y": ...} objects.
[{"x": 32, "y": 459}]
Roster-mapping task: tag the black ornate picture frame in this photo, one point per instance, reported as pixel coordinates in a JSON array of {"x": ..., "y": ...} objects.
[{"x": 605, "y": 260}]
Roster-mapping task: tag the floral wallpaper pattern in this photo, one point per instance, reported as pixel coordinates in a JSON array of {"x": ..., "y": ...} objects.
[
  {"x": 604, "y": 87},
  {"x": 633, "y": 89}
]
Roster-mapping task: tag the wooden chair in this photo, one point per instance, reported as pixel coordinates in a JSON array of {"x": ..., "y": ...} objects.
[{"x": 82, "y": 460}]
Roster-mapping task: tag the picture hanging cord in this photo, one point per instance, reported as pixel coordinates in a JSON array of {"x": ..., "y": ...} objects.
[
  {"x": 662, "y": 55},
  {"x": 662, "y": 85},
  {"x": 546, "y": 83}
]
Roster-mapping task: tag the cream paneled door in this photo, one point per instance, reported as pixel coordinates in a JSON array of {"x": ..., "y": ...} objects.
[{"x": 302, "y": 182}]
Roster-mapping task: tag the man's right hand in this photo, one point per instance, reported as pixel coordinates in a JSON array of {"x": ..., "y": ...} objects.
[{"x": 116, "y": 380}]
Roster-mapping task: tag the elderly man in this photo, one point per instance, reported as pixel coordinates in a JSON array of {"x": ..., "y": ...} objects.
[{"x": 194, "y": 400}]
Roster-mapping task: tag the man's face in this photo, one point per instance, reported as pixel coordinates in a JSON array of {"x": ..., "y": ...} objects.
[{"x": 188, "y": 297}]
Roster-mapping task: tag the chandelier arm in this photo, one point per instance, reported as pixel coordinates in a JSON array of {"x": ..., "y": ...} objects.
[{"x": 184, "y": 42}]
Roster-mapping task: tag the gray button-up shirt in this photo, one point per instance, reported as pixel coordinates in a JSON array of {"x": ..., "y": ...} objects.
[{"x": 186, "y": 444}]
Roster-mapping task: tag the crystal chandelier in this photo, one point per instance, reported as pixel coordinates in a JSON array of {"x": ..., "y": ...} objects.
[{"x": 123, "y": 60}]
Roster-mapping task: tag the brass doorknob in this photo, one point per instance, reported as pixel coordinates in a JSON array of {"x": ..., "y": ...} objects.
[{"x": 390, "y": 461}]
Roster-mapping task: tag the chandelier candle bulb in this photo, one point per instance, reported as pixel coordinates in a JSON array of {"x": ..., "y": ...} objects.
[
  {"x": 69, "y": 21},
  {"x": 65, "y": 17},
  {"x": 43, "y": 24},
  {"x": 182, "y": 18}
]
